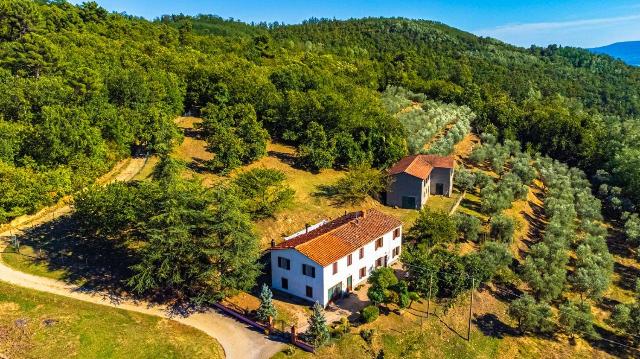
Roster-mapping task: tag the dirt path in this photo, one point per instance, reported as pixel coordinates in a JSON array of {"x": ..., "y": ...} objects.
[{"x": 237, "y": 340}]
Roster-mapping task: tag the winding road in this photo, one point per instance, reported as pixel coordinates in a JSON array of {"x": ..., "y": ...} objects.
[{"x": 237, "y": 340}]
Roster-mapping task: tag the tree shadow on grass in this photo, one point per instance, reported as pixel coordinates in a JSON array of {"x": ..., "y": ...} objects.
[
  {"x": 617, "y": 241},
  {"x": 607, "y": 304},
  {"x": 287, "y": 158},
  {"x": 505, "y": 292},
  {"x": 96, "y": 264},
  {"x": 536, "y": 223},
  {"x": 471, "y": 205},
  {"x": 330, "y": 192},
  {"x": 199, "y": 166},
  {"x": 490, "y": 325},
  {"x": 628, "y": 276},
  {"x": 613, "y": 344}
]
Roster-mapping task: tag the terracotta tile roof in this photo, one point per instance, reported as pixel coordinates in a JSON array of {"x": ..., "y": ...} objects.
[
  {"x": 421, "y": 165},
  {"x": 341, "y": 236}
]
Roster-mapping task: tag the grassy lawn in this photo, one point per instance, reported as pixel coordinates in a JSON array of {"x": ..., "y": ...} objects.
[
  {"x": 27, "y": 262},
  {"x": 37, "y": 325}
]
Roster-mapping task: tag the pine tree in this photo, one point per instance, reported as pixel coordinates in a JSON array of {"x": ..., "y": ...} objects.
[
  {"x": 266, "y": 309},
  {"x": 318, "y": 330}
]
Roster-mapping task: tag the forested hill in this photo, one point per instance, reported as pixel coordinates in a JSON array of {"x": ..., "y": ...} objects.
[{"x": 81, "y": 88}]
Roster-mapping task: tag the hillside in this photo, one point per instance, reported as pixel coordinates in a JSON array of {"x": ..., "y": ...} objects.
[
  {"x": 82, "y": 88},
  {"x": 628, "y": 51},
  {"x": 255, "y": 130}
]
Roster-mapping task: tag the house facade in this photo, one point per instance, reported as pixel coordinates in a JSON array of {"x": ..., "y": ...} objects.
[
  {"x": 325, "y": 262},
  {"x": 415, "y": 178}
]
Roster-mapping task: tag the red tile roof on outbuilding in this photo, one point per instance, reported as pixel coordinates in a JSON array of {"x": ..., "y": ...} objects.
[
  {"x": 421, "y": 165},
  {"x": 341, "y": 236}
]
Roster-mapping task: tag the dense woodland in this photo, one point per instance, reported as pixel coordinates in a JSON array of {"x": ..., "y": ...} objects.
[{"x": 82, "y": 87}]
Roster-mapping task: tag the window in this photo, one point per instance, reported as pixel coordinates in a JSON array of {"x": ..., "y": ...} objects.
[
  {"x": 349, "y": 259},
  {"x": 396, "y": 233},
  {"x": 284, "y": 263},
  {"x": 335, "y": 267},
  {"x": 379, "y": 262},
  {"x": 363, "y": 272},
  {"x": 379, "y": 243},
  {"x": 309, "y": 271},
  {"x": 309, "y": 292},
  {"x": 396, "y": 251},
  {"x": 285, "y": 283},
  {"x": 361, "y": 252}
]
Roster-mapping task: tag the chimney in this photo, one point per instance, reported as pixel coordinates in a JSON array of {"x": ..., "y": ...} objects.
[
  {"x": 306, "y": 228},
  {"x": 273, "y": 243},
  {"x": 364, "y": 213}
]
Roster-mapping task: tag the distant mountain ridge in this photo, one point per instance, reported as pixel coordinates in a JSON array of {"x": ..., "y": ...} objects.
[{"x": 628, "y": 51}]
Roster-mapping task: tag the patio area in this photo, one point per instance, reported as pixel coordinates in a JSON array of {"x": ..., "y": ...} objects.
[{"x": 349, "y": 306}]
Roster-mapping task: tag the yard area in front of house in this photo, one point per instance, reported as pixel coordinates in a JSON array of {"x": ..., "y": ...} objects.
[{"x": 296, "y": 311}]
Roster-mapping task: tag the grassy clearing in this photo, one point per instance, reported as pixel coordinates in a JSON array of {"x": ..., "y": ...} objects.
[
  {"x": 37, "y": 325},
  {"x": 27, "y": 261},
  {"x": 309, "y": 206},
  {"x": 147, "y": 170}
]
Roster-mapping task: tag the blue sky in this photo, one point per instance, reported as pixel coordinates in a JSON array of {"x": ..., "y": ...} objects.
[{"x": 585, "y": 23}]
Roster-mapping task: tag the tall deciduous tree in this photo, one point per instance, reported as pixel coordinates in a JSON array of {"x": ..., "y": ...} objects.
[
  {"x": 233, "y": 135},
  {"x": 264, "y": 191},
  {"x": 432, "y": 228}
]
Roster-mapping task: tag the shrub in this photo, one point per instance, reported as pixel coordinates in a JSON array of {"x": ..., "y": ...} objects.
[
  {"x": 468, "y": 225},
  {"x": 367, "y": 335},
  {"x": 341, "y": 328},
  {"x": 360, "y": 182},
  {"x": 369, "y": 314},
  {"x": 385, "y": 287},
  {"x": 502, "y": 228},
  {"x": 530, "y": 315},
  {"x": 465, "y": 179}
]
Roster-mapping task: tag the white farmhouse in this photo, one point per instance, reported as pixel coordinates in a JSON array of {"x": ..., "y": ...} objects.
[{"x": 324, "y": 262}]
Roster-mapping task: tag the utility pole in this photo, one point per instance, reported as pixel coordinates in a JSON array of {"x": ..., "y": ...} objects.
[
  {"x": 429, "y": 301},
  {"x": 473, "y": 285}
]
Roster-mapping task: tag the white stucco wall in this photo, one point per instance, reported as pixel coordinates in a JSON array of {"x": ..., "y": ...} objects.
[
  {"x": 298, "y": 282},
  {"x": 325, "y": 278}
]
